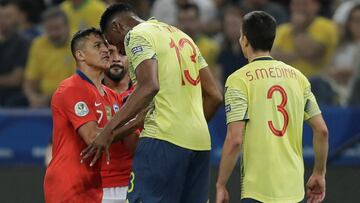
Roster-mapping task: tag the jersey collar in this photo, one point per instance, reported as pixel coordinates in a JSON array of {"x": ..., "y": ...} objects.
[
  {"x": 84, "y": 77},
  {"x": 262, "y": 58}
]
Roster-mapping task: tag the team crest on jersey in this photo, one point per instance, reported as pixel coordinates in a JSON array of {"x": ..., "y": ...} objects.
[
  {"x": 227, "y": 108},
  {"x": 116, "y": 108},
  {"x": 136, "y": 50},
  {"x": 81, "y": 109}
]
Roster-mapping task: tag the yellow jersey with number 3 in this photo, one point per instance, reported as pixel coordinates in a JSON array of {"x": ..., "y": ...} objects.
[
  {"x": 274, "y": 99},
  {"x": 177, "y": 113}
]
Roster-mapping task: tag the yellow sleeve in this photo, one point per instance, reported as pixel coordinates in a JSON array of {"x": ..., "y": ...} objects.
[
  {"x": 236, "y": 101},
  {"x": 311, "y": 107},
  {"x": 201, "y": 60},
  {"x": 33, "y": 65},
  {"x": 138, "y": 48}
]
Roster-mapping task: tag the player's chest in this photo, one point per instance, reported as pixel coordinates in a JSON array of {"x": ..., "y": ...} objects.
[{"x": 105, "y": 108}]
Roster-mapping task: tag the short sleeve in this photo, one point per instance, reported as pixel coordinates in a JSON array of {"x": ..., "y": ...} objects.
[
  {"x": 78, "y": 106},
  {"x": 138, "y": 48},
  {"x": 201, "y": 60},
  {"x": 311, "y": 107},
  {"x": 236, "y": 101}
]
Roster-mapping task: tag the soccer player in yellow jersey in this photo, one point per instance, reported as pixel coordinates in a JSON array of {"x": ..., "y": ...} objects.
[
  {"x": 171, "y": 163},
  {"x": 266, "y": 102}
]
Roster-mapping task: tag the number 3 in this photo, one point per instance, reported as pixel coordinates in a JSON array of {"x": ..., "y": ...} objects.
[{"x": 280, "y": 108}]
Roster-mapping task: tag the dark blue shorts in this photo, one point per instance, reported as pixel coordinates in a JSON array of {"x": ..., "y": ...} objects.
[{"x": 166, "y": 173}]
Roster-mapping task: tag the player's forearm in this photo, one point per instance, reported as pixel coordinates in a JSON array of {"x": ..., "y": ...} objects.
[
  {"x": 321, "y": 146},
  {"x": 230, "y": 154},
  {"x": 210, "y": 105},
  {"x": 126, "y": 130},
  {"x": 137, "y": 101}
]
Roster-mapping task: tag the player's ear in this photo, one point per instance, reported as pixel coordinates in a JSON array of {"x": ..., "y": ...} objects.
[
  {"x": 80, "y": 56},
  {"x": 246, "y": 41},
  {"x": 115, "y": 25}
]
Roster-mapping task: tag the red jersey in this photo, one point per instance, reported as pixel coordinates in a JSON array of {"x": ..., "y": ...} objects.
[
  {"x": 117, "y": 173},
  {"x": 76, "y": 102}
]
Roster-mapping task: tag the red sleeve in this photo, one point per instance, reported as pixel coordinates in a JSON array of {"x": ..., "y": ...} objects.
[{"x": 78, "y": 105}]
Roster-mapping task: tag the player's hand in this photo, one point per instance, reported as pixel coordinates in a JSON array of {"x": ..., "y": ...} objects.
[
  {"x": 315, "y": 188},
  {"x": 222, "y": 195},
  {"x": 97, "y": 147}
]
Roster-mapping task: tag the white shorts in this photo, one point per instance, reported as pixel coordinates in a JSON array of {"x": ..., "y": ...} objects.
[{"x": 114, "y": 195}]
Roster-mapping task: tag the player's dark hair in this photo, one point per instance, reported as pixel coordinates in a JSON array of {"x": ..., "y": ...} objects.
[
  {"x": 80, "y": 36},
  {"x": 112, "y": 11},
  {"x": 259, "y": 28},
  {"x": 190, "y": 6},
  {"x": 54, "y": 12}
]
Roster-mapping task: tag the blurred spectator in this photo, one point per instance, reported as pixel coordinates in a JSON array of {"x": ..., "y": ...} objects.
[
  {"x": 308, "y": 42},
  {"x": 341, "y": 14},
  {"x": 50, "y": 60},
  {"x": 189, "y": 22},
  {"x": 167, "y": 10},
  {"x": 29, "y": 17},
  {"x": 231, "y": 57},
  {"x": 83, "y": 13},
  {"x": 275, "y": 9},
  {"x": 14, "y": 50}
]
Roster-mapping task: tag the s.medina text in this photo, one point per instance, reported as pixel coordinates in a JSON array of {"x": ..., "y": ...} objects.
[{"x": 273, "y": 72}]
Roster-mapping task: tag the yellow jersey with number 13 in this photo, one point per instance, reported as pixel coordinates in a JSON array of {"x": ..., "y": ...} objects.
[
  {"x": 177, "y": 113},
  {"x": 274, "y": 98}
]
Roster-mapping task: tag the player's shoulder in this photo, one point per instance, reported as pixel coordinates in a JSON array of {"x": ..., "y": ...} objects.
[
  {"x": 72, "y": 85},
  {"x": 238, "y": 75},
  {"x": 322, "y": 22}
]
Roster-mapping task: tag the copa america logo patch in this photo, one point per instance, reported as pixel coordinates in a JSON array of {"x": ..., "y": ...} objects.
[
  {"x": 81, "y": 109},
  {"x": 227, "y": 108},
  {"x": 136, "y": 49},
  {"x": 116, "y": 108}
]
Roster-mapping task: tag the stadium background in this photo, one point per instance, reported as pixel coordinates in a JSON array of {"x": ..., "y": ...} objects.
[{"x": 25, "y": 129}]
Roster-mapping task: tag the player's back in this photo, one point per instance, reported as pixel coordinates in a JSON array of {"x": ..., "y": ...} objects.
[
  {"x": 272, "y": 151},
  {"x": 177, "y": 115}
]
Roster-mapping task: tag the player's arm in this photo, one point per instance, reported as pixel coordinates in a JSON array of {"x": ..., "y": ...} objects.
[
  {"x": 212, "y": 96},
  {"x": 146, "y": 88},
  {"x": 230, "y": 154},
  {"x": 88, "y": 131},
  {"x": 131, "y": 126},
  {"x": 316, "y": 186}
]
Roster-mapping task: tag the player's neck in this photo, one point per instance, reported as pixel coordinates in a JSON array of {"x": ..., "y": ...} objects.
[
  {"x": 95, "y": 75},
  {"x": 118, "y": 87},
  {"x": 253, "y": 55}
]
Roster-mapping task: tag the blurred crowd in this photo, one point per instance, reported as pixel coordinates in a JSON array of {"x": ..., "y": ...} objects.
[{"x": 319, "y": 37}]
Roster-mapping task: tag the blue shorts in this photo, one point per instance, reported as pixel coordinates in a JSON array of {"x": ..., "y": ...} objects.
[{"x": 165, "y": 173}]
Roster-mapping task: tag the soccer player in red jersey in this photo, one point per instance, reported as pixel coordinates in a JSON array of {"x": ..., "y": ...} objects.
[
  {"x": 116, "y": 175},
  {"x": 80, "y": 106}
]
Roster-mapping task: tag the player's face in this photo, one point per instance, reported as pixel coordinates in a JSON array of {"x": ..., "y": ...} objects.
[
  {"x": 57, "y": 30},
  {"x": 96, "y": 53},
  {"x": 115, "y": 35},
  {"x": 118, "y": 65},
  {"x": 308, "y": 8}
]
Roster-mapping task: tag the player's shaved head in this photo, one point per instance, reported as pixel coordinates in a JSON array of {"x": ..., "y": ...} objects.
[
  {"x": 113, "y": 11},
  {"x": 259, "y": 28},
  {"x": 79, "y": 38}
]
